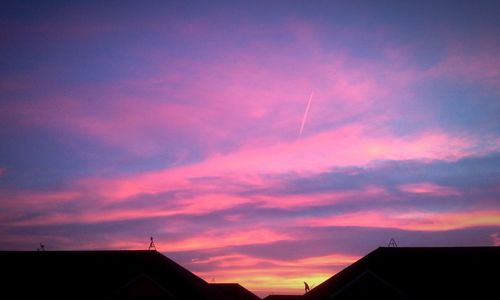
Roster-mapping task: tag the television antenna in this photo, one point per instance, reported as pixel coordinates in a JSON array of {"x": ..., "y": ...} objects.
[
  {"x": 392, "y": 243},
  {"x": 152, "y": 244}
]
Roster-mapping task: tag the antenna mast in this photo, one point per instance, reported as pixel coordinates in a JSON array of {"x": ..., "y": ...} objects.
[
  {"x": 152, "y": 245},
  {"x": 392, "y": 243}
]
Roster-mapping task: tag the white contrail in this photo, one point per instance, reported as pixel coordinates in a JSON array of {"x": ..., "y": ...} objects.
[{"x": 305, "y": 114}]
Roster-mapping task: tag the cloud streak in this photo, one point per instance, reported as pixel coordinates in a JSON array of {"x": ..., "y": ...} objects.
[{"x": 305, "y": 115}]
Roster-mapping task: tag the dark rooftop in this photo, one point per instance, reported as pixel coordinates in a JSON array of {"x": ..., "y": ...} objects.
[
  {"x": 283, "y": 297},
  {"x": 388, "y": 273},
  {"x": 99, "y": 274},
  {"x": 417, "y": 273},
  {"x": 235, "y": 291}
]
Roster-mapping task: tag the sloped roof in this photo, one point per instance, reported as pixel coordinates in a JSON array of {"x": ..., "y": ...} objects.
[
  {"x": 98, "y": 274},
  {"x": 416, "y": 273},
  {"x": 283, "y": 297},
  {"x": 235, "y": 291}
]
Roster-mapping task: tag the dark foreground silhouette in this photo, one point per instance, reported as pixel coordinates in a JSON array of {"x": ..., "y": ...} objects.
[
  {"x": 415, "y": 273},
  {"x": 99, "y": 274},
  {"x": 386, "y": 273}
]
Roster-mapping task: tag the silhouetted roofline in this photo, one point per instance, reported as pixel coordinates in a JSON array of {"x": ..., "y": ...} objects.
[
  {"x": 97, "y": 273},
  {"x": 235, "y": 290},
  {"x": 388, "y": 260}
]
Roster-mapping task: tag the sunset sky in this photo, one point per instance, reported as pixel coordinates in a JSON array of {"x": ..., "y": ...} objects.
[{"x": 121, "y": 120}]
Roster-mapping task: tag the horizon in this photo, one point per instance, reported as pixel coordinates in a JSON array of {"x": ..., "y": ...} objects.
[{"x": 255, "y": 141}]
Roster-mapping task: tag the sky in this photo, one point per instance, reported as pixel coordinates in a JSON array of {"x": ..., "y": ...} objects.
[{"x": 260, "y": 142}]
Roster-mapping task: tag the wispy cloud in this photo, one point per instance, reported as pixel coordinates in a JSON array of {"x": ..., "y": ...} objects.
[
  {"x": 429, "y": 188},
  {"x": 495, "y": 237},
  {"x": 410, "y": 220}
]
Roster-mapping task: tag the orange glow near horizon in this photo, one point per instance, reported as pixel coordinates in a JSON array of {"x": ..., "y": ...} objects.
[{"x": 281, "y": 276}]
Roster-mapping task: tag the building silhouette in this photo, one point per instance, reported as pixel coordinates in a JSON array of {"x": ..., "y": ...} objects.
[
  {"x": 385, "y": 273},
  {"x": 283, "y": 297},
  {"x": 416, "y": 273},
  {"x": 234, "y": 291},
  {"x": 99, "y": 275}
]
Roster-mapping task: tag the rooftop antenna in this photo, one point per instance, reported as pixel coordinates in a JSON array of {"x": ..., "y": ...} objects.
[
  {"x": 392, "y": 243},
  {"x": 152, "y": 244},
  {"x": 42, "y": 247}
]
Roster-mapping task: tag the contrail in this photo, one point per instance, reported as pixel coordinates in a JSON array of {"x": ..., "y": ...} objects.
[{"x": 305, "y": 114}]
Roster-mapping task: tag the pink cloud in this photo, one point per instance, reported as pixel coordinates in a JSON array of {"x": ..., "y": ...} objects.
[
  {"x": 225, "y": 237},
  {"x": 132, "y": 123},
  {"x": 15, "y": 203},
  {"x": 474, "y": 61},
  {"x": 246, "y": 96},
  {"x": 197, "y": 205},
  {"x": 429, "y": 188},
  {"x": 238, "y": 98},
  {"x": 296, "y": 202},
  {"x": 313, "y": 154},
  {"x": 495, "y": 238},
  {"x": 3, "y": 171},
  {"x": 347, "y": 146},
  {"x": 413, "y": 220}
]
